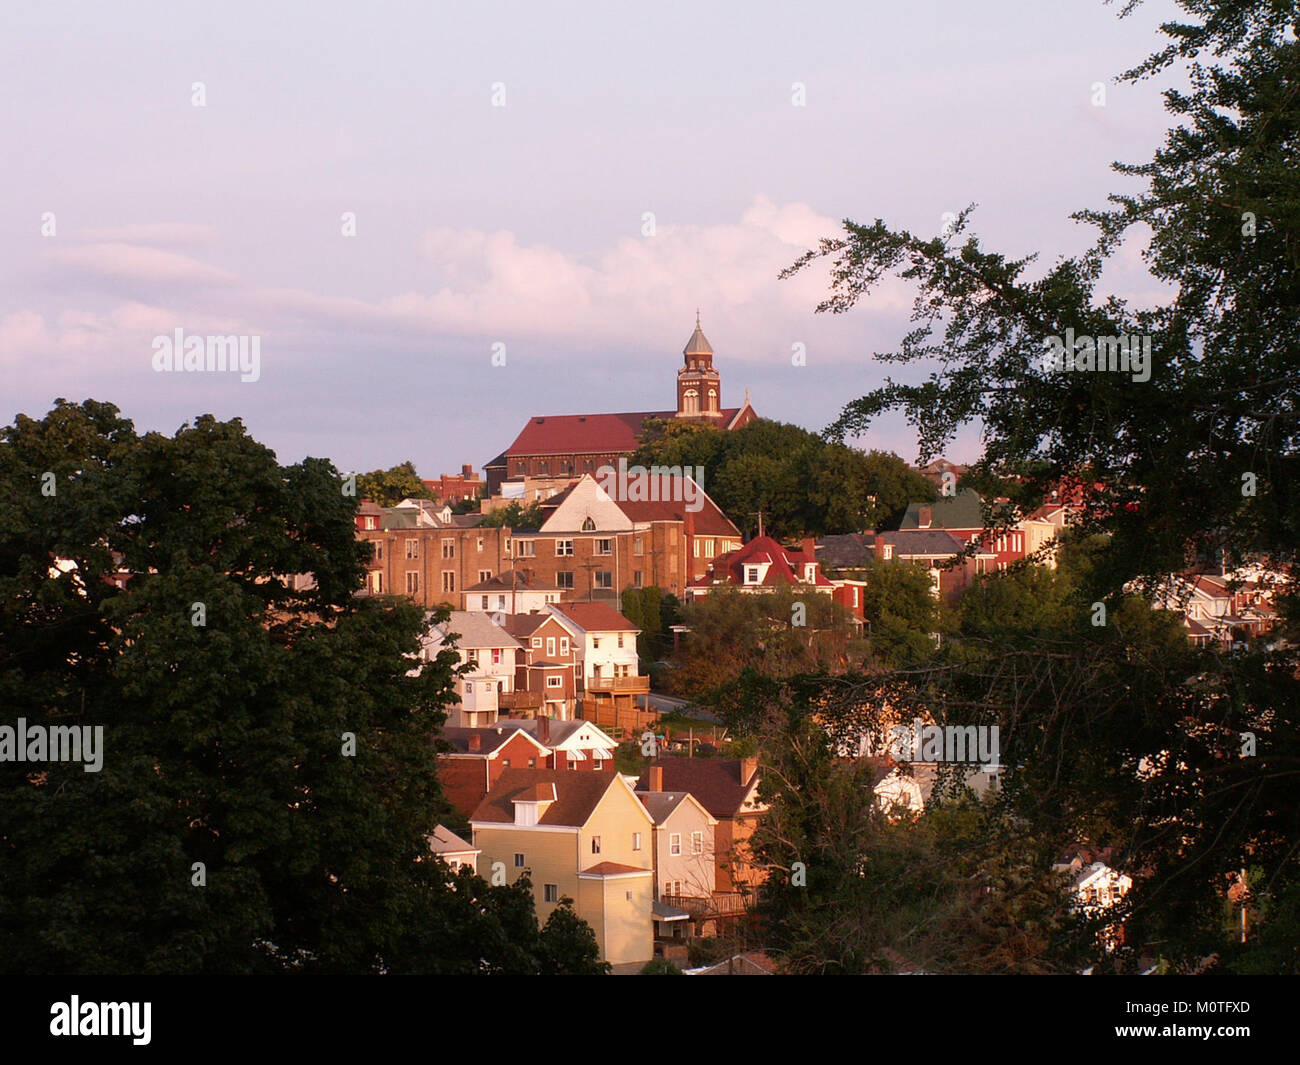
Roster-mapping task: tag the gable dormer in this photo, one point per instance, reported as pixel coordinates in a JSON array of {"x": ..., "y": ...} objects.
[{"x": 532, "y": 804}]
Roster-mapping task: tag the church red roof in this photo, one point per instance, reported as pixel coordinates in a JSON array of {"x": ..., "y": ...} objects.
[{"x": 578, "y": 434}]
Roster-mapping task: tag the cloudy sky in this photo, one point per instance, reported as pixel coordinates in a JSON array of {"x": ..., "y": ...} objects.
[{"x": 129, "y": 212}]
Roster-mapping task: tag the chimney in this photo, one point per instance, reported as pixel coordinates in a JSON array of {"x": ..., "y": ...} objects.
[
  {"x": 475, "y": 742},
  {"x": 809, "y": 546},
  {"x": 544, "y": 728},
  {"x": 925, "y": 517},
  {"x": 748, "y": 768},
  {"x": 656, "y": 778},
  {"x": 467, "y": 471}
]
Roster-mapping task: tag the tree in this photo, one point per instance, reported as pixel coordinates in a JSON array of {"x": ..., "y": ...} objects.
[
  {"x": 902, "y": 613},
  {"x": 268, "y": 763},
  {"x": 1186, "y": 458},
  {"x": 389, "y": 487},
  {"x": 567, "y": 945},
  {"x": 515, "y": 515}
]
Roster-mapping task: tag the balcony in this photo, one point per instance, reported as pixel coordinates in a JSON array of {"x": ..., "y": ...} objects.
[
  {"x": 720, "y": 904},
  {"x": 520, "y": 700},
  {"x": 619, "y": 685}
]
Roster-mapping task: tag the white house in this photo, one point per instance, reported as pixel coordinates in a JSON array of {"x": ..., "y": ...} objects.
[
  {"x": 491, "y": 654},
  {"x": 605, "y": 639}
]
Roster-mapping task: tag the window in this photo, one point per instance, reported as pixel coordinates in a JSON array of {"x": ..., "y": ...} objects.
[
  {"x": 379, "y": 550},
  {"x": 557, "y": 682},
  {"x": 485, "y": 601},
  {"x": 595, "y": 844},
  {"x": 479, "y": 547},
  {"x": 537, "y": 643},
  {"x": 496, "y": 656},
  {"x": 527, "y": 548},
  {"x": 552, "y": 892},
  {"x": 519, "y": 861},
  {"x": 604, "y": 547},
  {"x": 505, "y": 763},
  {"x": 377, "y": 582},
  {"x": 412, "y": 583},
  {"x": 588, "y": 525},
  {"x": 532, "y": 763},
  {"x": 620, "y": 639},
  {"x": 708, "y": 548},
  {"x": 675, "y": 843},
  {"x": 751, "y": 575},
  {"x": 412, "y": 548},
  {"x": 595, "y": 646},
  {"x": 564, "y": 579},
  {"x": 472, "y": 654},
  {"x": 448, "y": 580},
  {"x": 484, "y": 575},
  {"x": 449, "y": 549},
  {"x": 695, "y": 547},
  {"x": 564, "y": 645},
  {"x": 697, "y": 842},
  {"x": 550, "y": 647},
  {"x": 636, "y": 579},
  {"x": 636, "y": 841},
  {"x": 573, "y": 765},
  {"x": 604, "y": 579},
  {"x": 501, "y": 602},
  {"x": 638, "y": 546},
  {"x": 564, "y": 547},
  {"x": 597, "y": 764}
]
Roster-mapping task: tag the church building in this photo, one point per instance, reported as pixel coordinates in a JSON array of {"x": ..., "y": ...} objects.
[{"x": 569, "y": 445}]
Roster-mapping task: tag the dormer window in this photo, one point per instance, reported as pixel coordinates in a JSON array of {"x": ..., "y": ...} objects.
[
  {"x": 588, "y": 525},
  {"x": 810, "y": 573},
  {"x": 751, "y": 575}
]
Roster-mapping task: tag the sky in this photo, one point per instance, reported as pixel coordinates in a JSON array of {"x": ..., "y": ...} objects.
[{"x": 442, "y": 219}]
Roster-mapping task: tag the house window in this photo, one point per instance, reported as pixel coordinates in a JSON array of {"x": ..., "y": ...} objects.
[
  {"x": 379, "y": 550},
  {"x": 697, "y": 842},
  {"x": 595, "y": 646},
  {"x": 597, "y": 764},
  {"x": 501, "y": 602},
  {"x": 588, "y": 525},
  {"x": 527, "y": 548},
  {"x": 636, "y": 841},
  {"x": 496, "y": 656},
  {"x": 532, "y": 763},
  {"x": 564, "y": 547},
  {"x": 449, "y": 549},
  {"x": 555, "y": 682},
  {"x": 604, "y": 547},
  {"x": 620, "y": 639},
  {"x": 537, "y": 643},
  {"x": 412, "y": 548},
  {"x": 484, "y": 575},
  {"x": 638, "y": 546},
  {"x": 550, "y": 647},
  {"x": 708, "y": 548},
  {"x": 889, "y": 552},
  {"x": 448, "y": 580},
  {"x": 695, "y": 546},
  {"x": 573, "y": 765},
  {"x": 564, "y": 579},
  {"x": 377, "y": 583},
  {"x": 519, "y": 861},
  {"x": 564, "y": 645},
  {"x": 595, "y": 844},
  {"x": 505, "y": 763},
  {"x": 751, "y": 574},
  {"x": 604, "y": 579},
  {"x": 485, "y": 601},
  {"x": 552, "y": 892},
  {"x": 675, "y": 843},
  {"x": 636, "y": 579},
  {"x": 412, "y": 583}
]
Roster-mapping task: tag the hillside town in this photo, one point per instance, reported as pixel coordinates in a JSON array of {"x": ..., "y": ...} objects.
[{"x": 566, "y": 760}]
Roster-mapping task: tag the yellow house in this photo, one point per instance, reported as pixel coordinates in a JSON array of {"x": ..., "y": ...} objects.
[{"x": 583, "y": 836}]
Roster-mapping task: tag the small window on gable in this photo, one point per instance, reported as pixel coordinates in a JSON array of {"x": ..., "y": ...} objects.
[{"x": 588, "y": 525}]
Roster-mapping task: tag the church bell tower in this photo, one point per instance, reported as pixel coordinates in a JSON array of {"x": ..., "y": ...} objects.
[{"x": 699, "y": 389}]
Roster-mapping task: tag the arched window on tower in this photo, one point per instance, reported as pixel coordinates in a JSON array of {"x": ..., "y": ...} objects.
[
  {"x": 713, "y": 399},
  {"x": 691, "y": 401}
]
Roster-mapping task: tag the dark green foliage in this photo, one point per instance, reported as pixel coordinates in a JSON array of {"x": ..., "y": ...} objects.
[{"x": 389, "y": 487}]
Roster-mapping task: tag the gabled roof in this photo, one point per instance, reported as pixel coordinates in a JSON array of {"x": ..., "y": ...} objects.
[
  {"x": 576, "y": 796},
  {"x": 562, "y": 732},
  {"x": 593, "y": 617},
  {"x": 714, "y": 782},
  {"x": 662, "y": 804},
  {"x": 522, "y": 626},
  {"x": 475, "y": 629},
  {"x": 514, "y": 580},
  {"x": 492, "y": 738},
  {"x": 708, "y": 520},
  {"x": 785, "y": 565},
  {"x": 444, "y": 841}
]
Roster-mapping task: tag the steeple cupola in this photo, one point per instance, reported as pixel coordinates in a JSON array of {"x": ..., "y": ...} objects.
[{"x": 699, "y": 389}]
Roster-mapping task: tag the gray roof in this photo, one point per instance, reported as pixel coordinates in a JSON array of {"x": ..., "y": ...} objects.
[
  {"x": 476, "y": 630},
  {"x": 962, "y": 511},
  {"x": 847, "y": 551},
  {"x": 661, "y": 804},
  {"x": 560, "y": 730},
  {"x": 697, "y": 345},
  {"x": 445, "y": 841},
  {"x": 922, "y": 543}
]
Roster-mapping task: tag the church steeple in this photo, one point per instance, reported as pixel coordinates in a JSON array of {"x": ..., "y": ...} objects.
[{"x": 699, "y": 388}]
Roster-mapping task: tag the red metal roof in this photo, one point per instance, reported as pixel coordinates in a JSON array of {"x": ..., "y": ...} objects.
[{"x": 580, "y": 434}]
